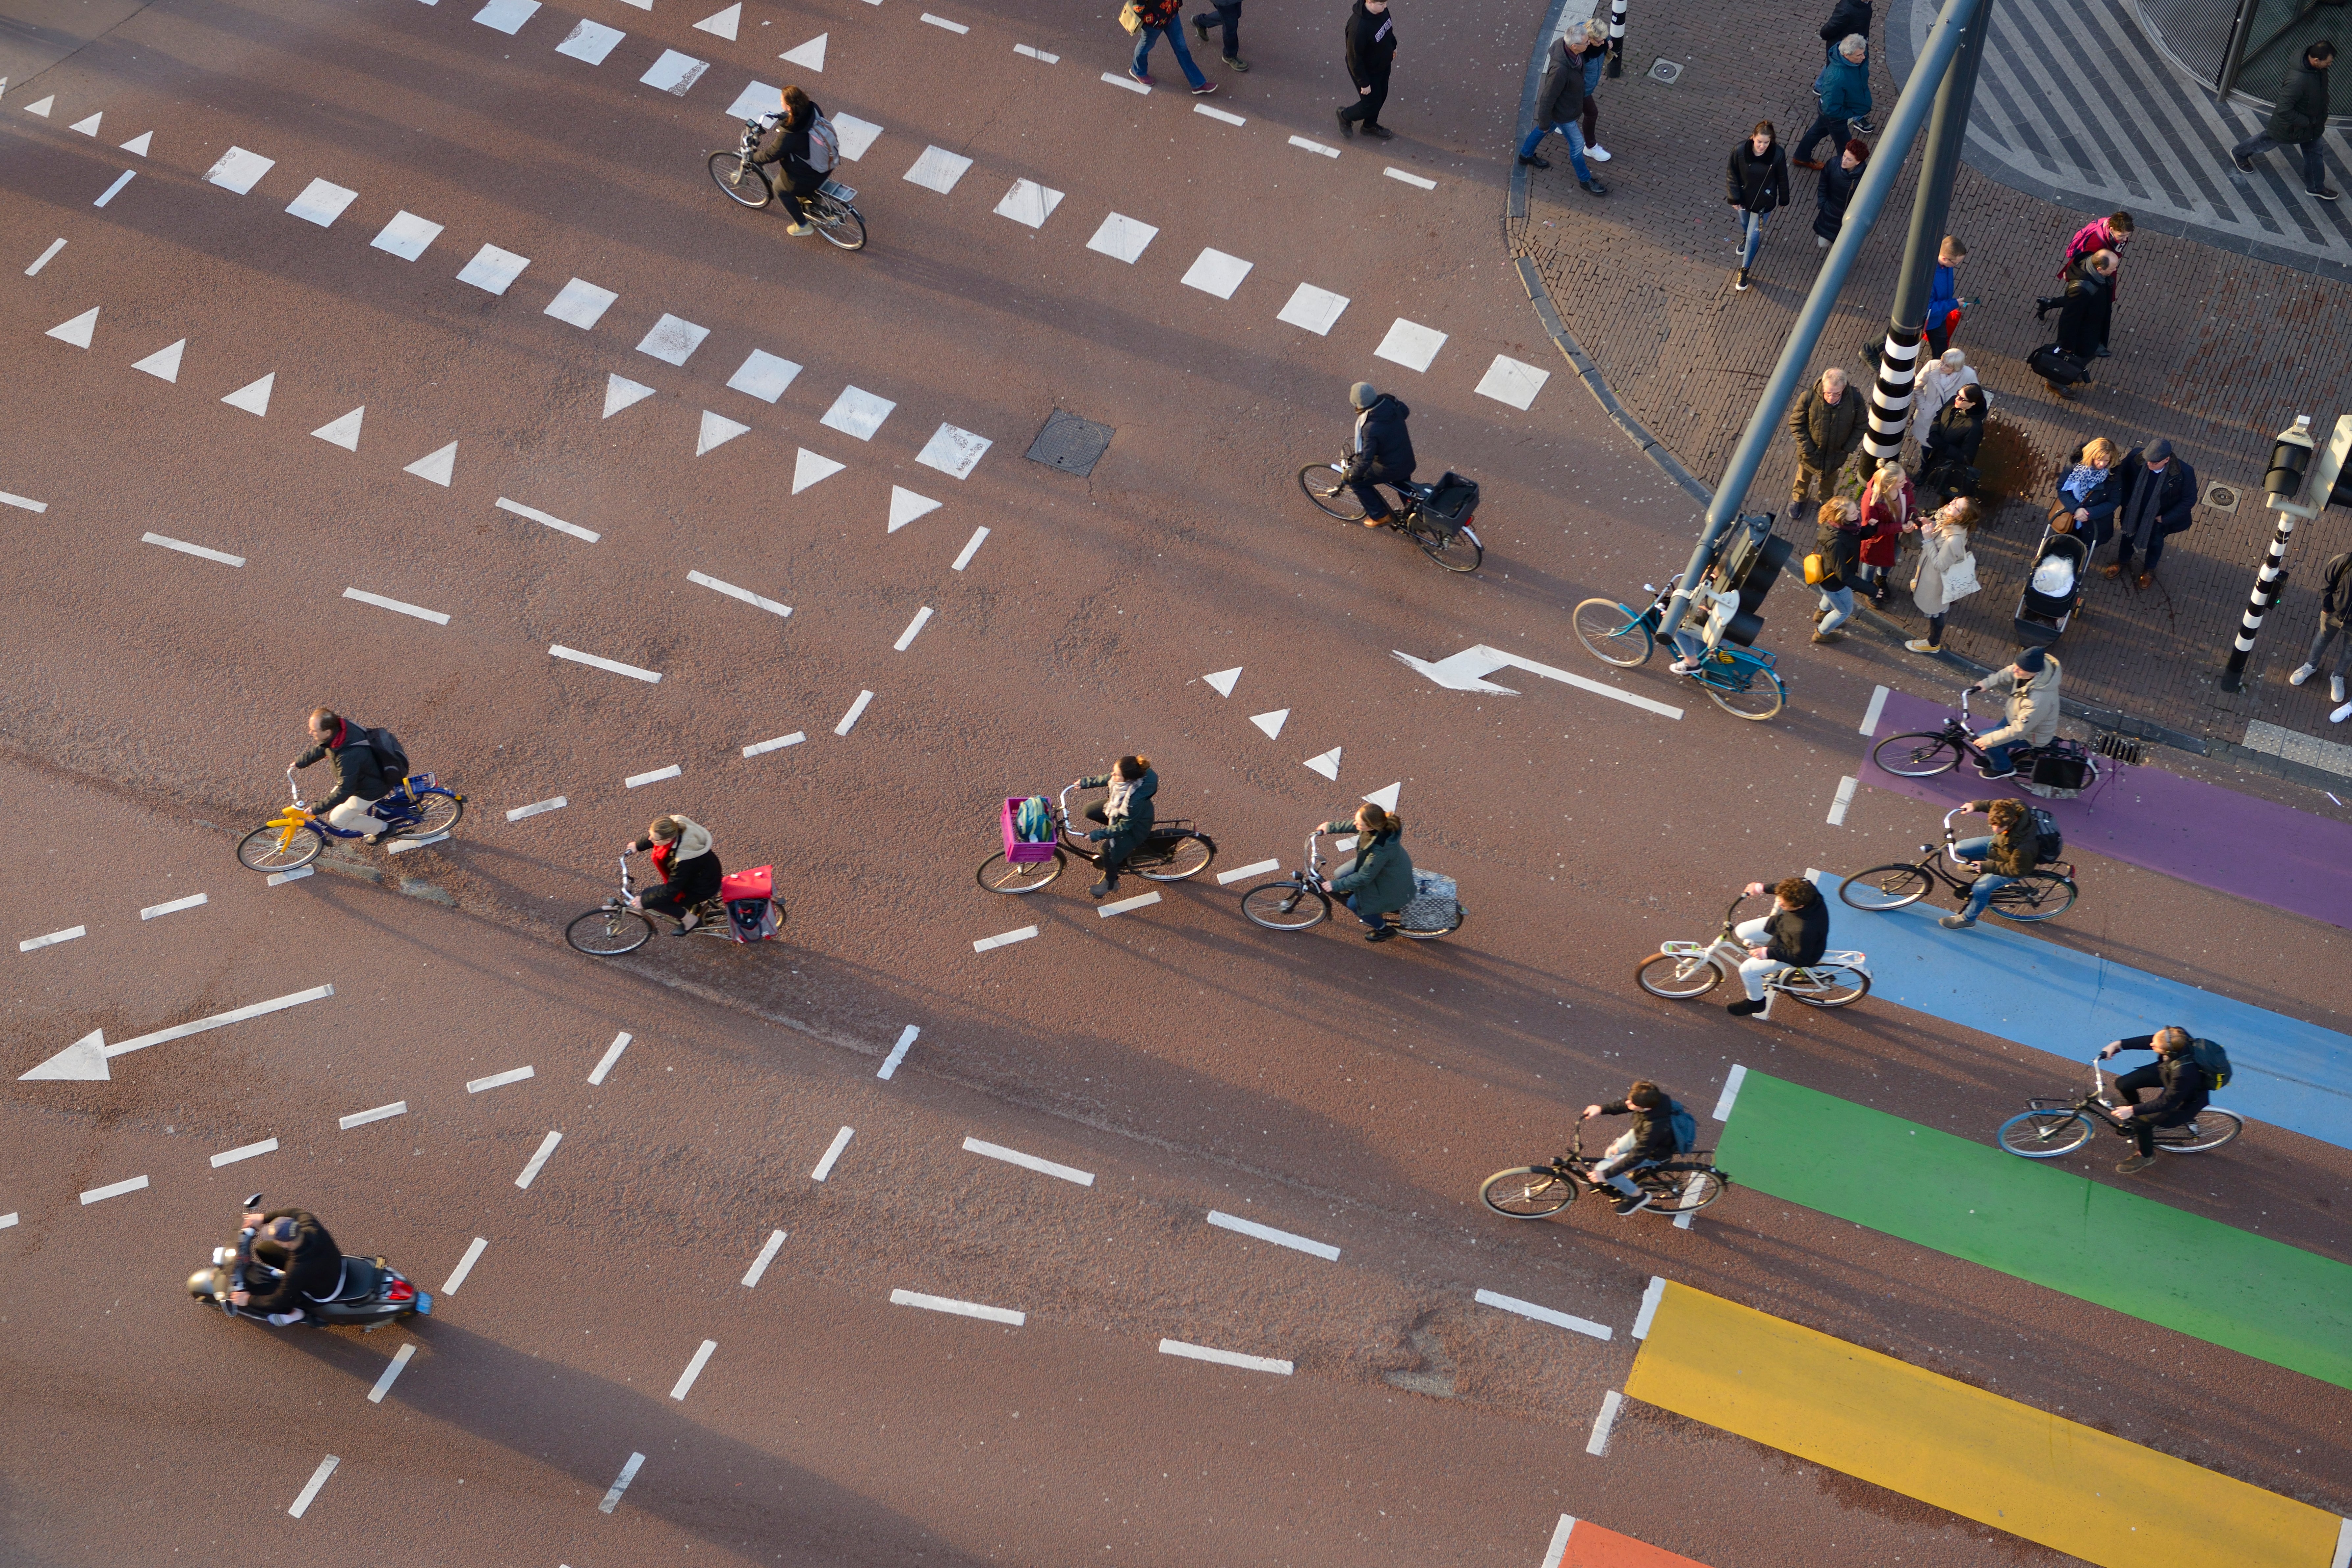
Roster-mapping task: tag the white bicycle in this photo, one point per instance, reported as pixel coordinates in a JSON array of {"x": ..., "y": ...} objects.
[{"x": 1681, "y": 971}]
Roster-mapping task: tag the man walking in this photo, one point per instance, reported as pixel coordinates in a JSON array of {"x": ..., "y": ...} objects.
[
  {"x": 2334, "y": 605},
  {"x": 1227, "y": 13},
  {"x": 2159, "y": 491},
  {"x": 2301, "y": 118},
  {"x": 1828, "y": 426},
  {"x": 1844, "y": 89},
  {"x": 1371, "y": 44},
  {"x": 1560, "y": 102}
]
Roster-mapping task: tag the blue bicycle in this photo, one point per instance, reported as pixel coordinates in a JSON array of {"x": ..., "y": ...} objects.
[
  {"x": 1741, "y": 681},
  {"x": 419, "y": 807}
]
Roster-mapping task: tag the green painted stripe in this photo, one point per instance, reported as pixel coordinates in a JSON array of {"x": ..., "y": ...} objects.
[{"x": 1971, "y": 1199}]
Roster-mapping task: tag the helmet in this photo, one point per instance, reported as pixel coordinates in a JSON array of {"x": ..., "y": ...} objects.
[{"x": 280, "y": 1230}]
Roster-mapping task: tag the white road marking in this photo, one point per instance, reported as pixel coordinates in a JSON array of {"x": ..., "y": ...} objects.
[
  {"x": 1128, "y": 83},
  {"x": 381, "y": 1113},
  {"x": 1268, "y": 1233},
  {"x": 857, "y": 412},
  {"x": 1410, "y": 179},
  {"x": 1467, "y": 671},
  {"x": 400, "y": 1359},
  {"x": 1227, "y": 115},
  {"x": 907, "y": 637},
  {"x": 753, "y": 1274},
  {"x": 1409, "y": 344},
  {"x": 497, "y": 1079},
  {"x": 408, "y": 846},
  {"x": 493, "y": 270},
  {"x": 1511, "y": 381},
  {"x": 465, "y": 1265},
  {"x": 1214, "y": 272},
  {"x": 1328, "y": 765},
  {"x": 138, "y": 143},
  {"x": 953, "y": 451},
  {"x": 279, "y": 878},
  {"x": 971, "y": 547},
  {"x": 1683, "y": 1218},
  {"x": 436, "y": 466},
  {"x": 907, "y": 505},
  {"x": 621, "y": 393},
  {"x": 244, "y": 1151},
  {"x": 311, "y": 1488},
  {"x": 693, "y": 1369},
  {"x": 638, "y": 781},
  {"x": 2343, "y": 1546},
  {"x": 322, "y": 203},
  {"x": 1598, "y": 1444},
  {"x": 556, "y": 803},
  {"x": 45, "y": 257},
  {"x": 1544, "y": 1314},
  {"x": 824, "y": 1166},
  {"x": 899, "y": 1052},
  {"x": 1029, "y": 1162},
  {"x": 1224, "y": 1358},
  {"x": 54, "y": 937},
  {"x": 79, "y": 330},
  {"x": 221, "y": 1020},
  {"x": 42, "y": 107},
  {"x": 1272, "y": 722},
  {"x": 937, "y": 170},
  {"x": 163, "y": 364},
  {"x": 580, "y": 302},
  {"x": 621, "y": 1484},
  {"x": 406, "y": 236},
  {"x": 25, "y": 503},
  {"x": 849, "y": 720},
  {"x": 115, "y": 189},
  {"x": 1556, "y": 1552},
  {"x": 811, "y": 466},
  {"x": 1123, "y": 905},
  {"x": 612, "y": 1054},
  {"x": 238, "y": 169},
  {"x": 113, "y": 1190},
  {"x": 675, "y": 72},
  {"x": 809, "y": 56},
  {"x": 1878, "y": 709},
  {"x": 588, "y": 41},
  {"x": 1221, "y": 681},
  {"x": 1316, "y": 310},
  {"x": 961, "y": 1308},
  {"x": 943, "y": 22},
  {"x": 254, "y": 395},
  {"x": 506, "y": 15},
  {"x": 672, "y": 340},
  {"x": 559, "y": 651},
  {"x": 760, "y": 748},
  {"x": 537, "y": 1161},
  {"x": 1846, "y": 787},
  {"x": 1730, "y": 1092},
  {"x": 722, "y": 24},
  {"x": 1122, "y": 238},
  {"x": 1226, "y": 879},
  {"x": 1036, "y": 54},
  {"x": 557, "y": 523},
  {"x": 8, "y": 1220},
  {"x": 344, "y": 431},
  {"x": 88, "y": 127},
  {"x": 987, "y": 942},
  {"x": 1651, "y": 1296},
  {"x": 745, "y": 595},
  {"x": 717, "y": 431},
  {"x": 763, "y": 375},
  {"x": 1314, "y": 146},
  {"x": 858, "y": 136},
  {"x": 398, "y": 606}
]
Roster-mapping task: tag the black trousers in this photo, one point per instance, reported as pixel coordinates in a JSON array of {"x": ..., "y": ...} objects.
[
  {"x": 1227, "y": 15},
  {"x": 1836, "y": 127},
  {"x": 1111, "y": 853},
  {"x": 791, "y": 186},
  {"x": 2147, "y": 561},
  {"x": 1366, "y": 109},
  {"x": 2127, "y": 1088}
]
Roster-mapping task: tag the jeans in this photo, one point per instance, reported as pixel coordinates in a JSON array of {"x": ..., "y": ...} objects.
[
  {"x": 1980, "y": 894},
  {"x": 1751, "y": 232},
  {"x": 1839, "y": 603},
  {"x": 2314, "y": 160},
  {"x": 1574, "y": 133},
  {"x": 1228, "y": 15},
  {"x": 1689, "y": 644},
  {"x": 1621, "y": 1159},
  {"x": 2328, "y": 632},
  {"x": 1174, "y": 33},
  {"x": 1752, "y": 970},
  {"x": 1356, "y": 908},
  {"x": 1830, "y": 125}
]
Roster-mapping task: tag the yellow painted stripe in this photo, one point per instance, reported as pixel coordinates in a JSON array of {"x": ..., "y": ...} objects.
[{"x": 2069, "y": 1487}]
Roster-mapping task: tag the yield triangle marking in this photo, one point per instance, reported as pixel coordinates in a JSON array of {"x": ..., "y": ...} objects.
[
  {"x": 344, "y": 431},
  {"x": 138, "y": 143},
  {"x": 436, "y": 466},
  {"x": 4, "y": 84},
  {"x": 725, "y": 23},
  {"x": 1223, "y": 680},
  {"x": 1271, "y": 722},
  {"x": 42, "y": 108},
  {"x": 1328, "y": 765},
  {"x": 620, "y": 392},
  {"x": 88, "y": 127},
  {"x": 163, "y": 364},
  {"x": 78, "y": 331},
  {"x": 254, "y": 396},
  {"x": 812, "y": 467},
  {"x": 84, "y": 1060},
  {"x": 1385, "y": 797},
  {"x": 906, "y": 506},
  {"x": 717, "y": 431},
  {"x": 811, "y": 54}
]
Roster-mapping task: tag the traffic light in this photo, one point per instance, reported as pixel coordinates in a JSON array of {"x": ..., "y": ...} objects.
[
  {"x": 1747, "y": 563},
  {"x": 2290, "y": 456}
]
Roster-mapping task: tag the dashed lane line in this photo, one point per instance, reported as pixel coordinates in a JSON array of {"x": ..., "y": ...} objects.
[
  {"x": 971, "y": 547},
  {"x": 1268, "y": 1233},
  {"x": 745, "y": 595},
  {"x": 1006, "y": 939},
  {"x": 1224, "y": 1358},
  {"x": 498, "y": 1080},
  {"x": 310, "y": 1488},
  {"x": 958, "y": 1308},
  {"x": 381, "y": 1113},
  {"x": 398, "y": 606},
  {"x": 612, "y": 666},
  {"x": 553, "y": 803},
  {"x": 69, "y": 934},
  {"x": 824, "y": 1166},
  {"x": 1128, "y": 83},
  {"x": 849, "y": 720},
  {"x": 8, "y": 1220},
  {"x": 192, "y": 901},
  {"x": 638, "y": 781},
  {"x": 760, "y": 748},
  {"x": 1416, "y": 180},
  {"x": 279, "y": 878},
  {"x": 1029, "y": 1162},
  {"x": 244, "y": 1151},
  {"x": 46, "y": 257},
  {"x": 115, "y": 189},
  {"x": 1846, "y": 787},
  {"x": 1226, "y": 879},
  {"x": 1314, "y": 146},
  {"x": 1878, "y": 709},
  {"x": 407, "y": 846},
  {"x": 185, "y": 548},
  {"x": 621, "y": 1483},
  {"x": 537, "y": 1161},
  {"x": 1545, "y": 1314},
  {"x": 1652, "y": 1295},
  {"x": 23, "y": 504},
  {"x": 943, "y": 22},
  {"x": 752, "y": 1276},
  {"x": 612, "y": 1054},
  {"x": 1123, "y": 906},
  {"x": 1227, "y": 115},
  {"x": 1606, "y": 1417},
  {"x": 400, "y": 1359},
  {"x": 1731, "y": 1083},
  {"x": 1038, "y": 55},
  {"x": 465, "y": 1266},
  {"x": 693, "y": 1369},
  {"x": 557, "y": 523},
  {"x": 113, "y": 1190},
  {"x": 907, "y": 1037}
]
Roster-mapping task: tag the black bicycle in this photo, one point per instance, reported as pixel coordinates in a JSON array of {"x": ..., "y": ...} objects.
[
  {"x": 2055, "y": 1127},
  {"x": 828, "y": 207},
  {"x": 1449, "y": 541},
  {"x": 1170, "y": 852},
  {"x": 2059, "y": 770},
  {"x": 2041, "y": 894},
  {"x": 1684, "y": 1185}
]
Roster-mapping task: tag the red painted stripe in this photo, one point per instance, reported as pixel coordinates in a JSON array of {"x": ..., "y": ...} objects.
[{"x": 1591, "y": 1546}]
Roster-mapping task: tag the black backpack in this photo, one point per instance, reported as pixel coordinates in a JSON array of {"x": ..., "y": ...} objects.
[
  {"x": 2209, "y": 1055},
  {"x": 2045, "y": 828},
  {"x": 390, "y": 756}
]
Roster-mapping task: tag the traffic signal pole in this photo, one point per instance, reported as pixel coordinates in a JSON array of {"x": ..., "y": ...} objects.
[{"x": 2279, "y": 485}]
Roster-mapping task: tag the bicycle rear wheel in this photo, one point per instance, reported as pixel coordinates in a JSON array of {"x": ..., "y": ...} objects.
[
  {"x": 1527, "y": 1192},
  {"x": 1187, "y": 857},
  {"x": 1681, "y": 1189},
  {"x": 1000, "y": 875},
  {"x": 609, "y": 932},
  {"x": 1286, "y": 905},
  {"x": 744, "y": 183},
  {"x": 1828, "y": 985},
  {"x": 2210, "y": 1129},
  {"x": 1330, "y": 492},
  {"x": 1755, "y": 697},
  {"x": 1883, "y": 887},
  {"x": 1456, "y": 550},
  {"x": 837, "y": 222},
  {"x": 437, "y": 812},
  {"x": 278, "y": 849},
  {"x": 2044, "y": 1134},
  {"x": 1677, "y": 977},
  {"x": 1613, "y": 634},
  {"x": 2036, "y": 896},
  {"x": 1917, "y": 755}
]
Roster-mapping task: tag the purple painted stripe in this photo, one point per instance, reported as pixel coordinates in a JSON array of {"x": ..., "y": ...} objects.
[{"x": 2197, "y": 832}]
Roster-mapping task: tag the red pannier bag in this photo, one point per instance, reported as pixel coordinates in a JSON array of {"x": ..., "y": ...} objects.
[{"x": 750, "y": 898}]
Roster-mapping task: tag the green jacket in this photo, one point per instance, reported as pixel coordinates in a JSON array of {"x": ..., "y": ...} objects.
[
  {"x": 1382, "y": 871},
  {"x": 2302, "y": 112}
]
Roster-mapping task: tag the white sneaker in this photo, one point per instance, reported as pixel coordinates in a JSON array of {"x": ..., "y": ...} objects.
[
  {"x": 1596, "y": 153},
  {"x": 2302, "y": 674},
  {"x": 2341, "y": 714},
  {"x": 2336, "y": 689},
  {"x": 284, "y": 1320}
]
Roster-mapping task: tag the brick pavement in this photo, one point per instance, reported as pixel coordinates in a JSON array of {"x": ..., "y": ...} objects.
[{"x": 2215, "y": 351}]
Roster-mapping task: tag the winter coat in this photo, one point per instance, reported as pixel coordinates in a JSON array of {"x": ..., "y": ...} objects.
[
  {"x": 2099, "y": 527},
  {"x": 2152, "y": 506},
  {"x": 1943, "y": 299},
  {"x": 1798, "y": 936},
  {"x": 1828, "y": 433},
  {"x": 1844, "y": 87},
  {"x": 2015, "y": 852},
  {"x": 1942, "y": 546},
  {"x": 1834, "y": 193},
  {"x": 2090, "y": 305},
  {"x": 1948, "y": 453},
  {"x": 2302, "y": 112},
  {"x": 1852, "y": 16},
  {"x": 358, "y": 774},
  {"x": 1932, "y": 394},
  {"x": 1757, "y": 184},
  {"x": 2032, "y": 707},
  {"x": 2336, "y": 590},
  {"x": 314, "y": 1273},
  {"x": 689, "y": 867},
  {"x": 1653, "y": 1130},
  {"x": 1562, "y": 94},
  {"x": 1371, "y": 44},
  {"x": 1380, "y": 874},
  {"x": 1130, "y": 809},
  {"x": 2091, "y": 238},
  {"x": 1383, "y": 445},
  {"x": 1841, "y": 548},
  {"x": 1882, "y": 534}
]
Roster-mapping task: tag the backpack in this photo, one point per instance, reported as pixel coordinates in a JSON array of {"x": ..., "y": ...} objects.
[
  {"x": 1033, "y": 823},
  {"x": 2045, "y": 828},
  {"x": 1685, "y": 1125},
  {"x": 390, "y": 756},
  {"x": 824, "y": 146},
  {"x": 2209, "y": 1055}
]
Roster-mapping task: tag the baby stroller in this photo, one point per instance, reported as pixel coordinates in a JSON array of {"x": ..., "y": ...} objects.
[{"x": 2053, "y": 588}]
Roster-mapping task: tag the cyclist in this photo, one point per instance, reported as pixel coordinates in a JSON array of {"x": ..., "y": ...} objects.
[
  {"x": 1383, "y": 454},
  {"x": 1649, "y": 1142},
  {"x": 1125, "y": 817},
  {"x": 1379, "y": 882},
  {"x": 2013, "y": 848},
  {"x": 2030, "y": 685},
  {"x": 689, "y": 869},
  {"x": 1797, "y": 931},
  {"x": 2183, "y": 1079},
  {"x": 360, "y": 779},
  {"x": 306, "y": 1265},
  {"x": 1712, "y": 608},
  {"x": 785, "y": 140}
]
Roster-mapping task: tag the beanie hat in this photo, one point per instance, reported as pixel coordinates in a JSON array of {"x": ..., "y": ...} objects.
[
  {"x": 2031, "y": 659},
  {"x": 1361, "y": 396}
]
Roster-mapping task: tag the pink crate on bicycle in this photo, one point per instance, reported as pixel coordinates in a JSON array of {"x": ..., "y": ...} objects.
[{"x": 1017, "y": 850}]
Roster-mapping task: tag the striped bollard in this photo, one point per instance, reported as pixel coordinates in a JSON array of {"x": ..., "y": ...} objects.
[
  {"x": 1890, "y": 396},
  {"x": 1616, "y": 39}
]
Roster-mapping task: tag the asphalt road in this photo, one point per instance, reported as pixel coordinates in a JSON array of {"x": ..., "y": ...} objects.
[{"x": 1188, "y": 1062}]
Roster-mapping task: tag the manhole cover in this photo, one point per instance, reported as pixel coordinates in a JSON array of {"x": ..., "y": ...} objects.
[
  {"x": 1070, "y": 444},
  {"x": 2221, "y": 498},
  {"x": 1665, "y": 69}
]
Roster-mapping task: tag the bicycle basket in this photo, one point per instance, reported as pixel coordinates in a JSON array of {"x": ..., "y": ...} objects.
[
  {"x": 1453, "y": 501},
  {"x": 1434, "y": 905},
  {"x": 1027, "y": 823},
  {"x": 2061, "y": 771}
]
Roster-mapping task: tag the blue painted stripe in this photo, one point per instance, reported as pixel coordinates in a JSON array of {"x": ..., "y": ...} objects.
[{"x": 2284, "y": 1072}]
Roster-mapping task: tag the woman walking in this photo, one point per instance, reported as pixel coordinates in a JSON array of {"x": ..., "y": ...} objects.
[
  {"x": 1836, "y": 191},
  {"x": 1943, "y": 545},
  {"x": 1756, "y": 182},
  {"x": 1886, "y": 507}
]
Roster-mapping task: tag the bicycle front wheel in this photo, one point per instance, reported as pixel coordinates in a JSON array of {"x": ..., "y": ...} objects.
[
  {"x": 437, "y": 812},
  {"x": 2036, "y": 896},
  {"x": 1754, "y": 694},
  {"x": 2044, "y": 1134},
  {"x": 1455, "y": 549},
  {"x": 1677, "y": 977},
  {"x": 609, "y": 932},
  {"x": 1917, "y": 757},
  {"x": 1286, "y": 905},
  {"x": 278, "y": 848},
  {"x": 744, "y": 183},
  {"x": 1613, "y": 634},
  {"x": 1330, "y": 492},
  {"x": 1187, "y": 857},
  {"x": 1000, "y": 875},
  {"x": 1527, "y": 1192},
  {"x": 1680, "y": 1190},
  {"x": 838, "y": 222},
  {"x": 2210, "y": 1129},
  {"x": 1883, "y": 887},
  {"x": 1828, "y": 985}
]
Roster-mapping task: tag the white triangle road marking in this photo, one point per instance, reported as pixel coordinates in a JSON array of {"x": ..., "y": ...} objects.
[
  {"x": 810, "y": 55},
  {"x": 1328, "y": 765},
  {"x": 724, "y": 22},
  {"x": 1271, "y": 722},
  {"x": 344, "y": 431},
  {"x": 254, "y": 396},
  {"x": 1223, "y": 680},
  {"x": 138, "y": 143},
  {"x": 42, "y": 108},
  {"x": 78, "y": 331},
  {"x": 88, "y": 127},
  {"x": 620, "y": 392},
  {"x": 83, "y": 1061},
  {"x": 436, "y": 467},
  {"x": 163, "y": 364},
  {"x": 1385, "y": 797},
  {"x": 717, "y": 431},
  {"x": 906, "y": 506},
  {"x": 811, "y": 466}
]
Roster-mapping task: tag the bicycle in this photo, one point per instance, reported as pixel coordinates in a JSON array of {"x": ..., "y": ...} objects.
[
  {"x": 1303, "y": 899},
  {"x": 1172, "y": 851},
  {"x": 614, "y": 928},
  {"x": 1742, "y": 681},
  {"x": 1924, "y": 754},
  {"x": 2043, "y": 893},
  {"x": 420, "y": 806},
  {"x": 1685, "y": 971},
  {"x": 1453, "y": 545},
  {"x": 828, "y": 206},
  {"x": 2055, "y": 1127},
  {"x": 1684, "y": 1184}
]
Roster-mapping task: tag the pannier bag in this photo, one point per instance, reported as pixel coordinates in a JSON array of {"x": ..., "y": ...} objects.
[
  {"x": 1433, "y": 906},
  {"x": 750, "y": 898},
  {"x": 1452, "y": 502}
]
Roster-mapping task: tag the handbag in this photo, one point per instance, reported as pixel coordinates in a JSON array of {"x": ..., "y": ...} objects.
[
  {"x": 1128, "y": 19},
  {"x": 1960, "y": 579},
  {"x": 2062, "y": 517}
]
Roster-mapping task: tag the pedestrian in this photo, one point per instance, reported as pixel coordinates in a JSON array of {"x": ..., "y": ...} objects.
[
  {"x": 1596, "y": 61},
  {"x": 2088, "y": 307},
  {"x": 1225, "y": 14},
  {"x": 2301, "y": 119},
  {"x": 1938, "y": 380},
  {"x": 1849, "y": 17},
  {"x": 2028, "y": 687},
  {"x": 2335, "y": 605},
  {"x": 1837, "y": 547},
  {"x": 2111, "y": 234},
  {"x": 1944, "y": 299},
  {"x": 1943, "y": 545},
  {"x": 1559, "y": 102},
  {"x": 1886, "y": 506},
  {"x": 2088, "y": 495},
  {"x": 2009, "y": 852},
  {"x": 1371, "y": 46},
  {"x": 2157, "y": 493},
  {"x": 1829, "y": 424},
  {"x": 1844, "y": 89},
  {"x": 1155, "y": 20},
  {"x": 1758, "y": 182},
  {"x": 1834, "y": 192},
  {"x": 1947, "y": 454}
]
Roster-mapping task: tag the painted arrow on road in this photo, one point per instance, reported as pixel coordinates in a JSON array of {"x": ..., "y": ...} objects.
[
  {"x": 1467, "y": 671},
  {"x": 87, "y": 1058}
]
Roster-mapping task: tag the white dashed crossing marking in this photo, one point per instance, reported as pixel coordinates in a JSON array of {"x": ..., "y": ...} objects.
[
  {"x": 907, "y": 1037},
  {"x": 857, "y": 412},
  {"x": 693, "y": 1369},
  {"x": 1029, "y": 1162},
  {"x": 675, "y": 72},
  {"x": 465, "y": 1265},
  {"x": 310, "y": 1488},
  {"x": 1140, "y": 900},
  {"x": 537, "y": 1161},
  {"x": 580, "y": 302},
  {"x": 943, "y": 22},
  {"x": 398, "y": 607},
  {"x": 907, "y": 505},
  {"x": 953, "y": 451},
  {"x": 1224, "y": 1358},
  {"x": 809, "y": 55},
  {"x": 410, "y": 846},
  {"x": 576, "y": 530},
  {"x": 1226, "y": 879},
  {"x": 1545, "y": 1314},
  {"x": 824, "y": 1166},
  {"x": 858, "y": 136},
  {"x": 760, "y": 748},
  {"x": 621, "y": 1484},
  {"x": 115, "y": 189},
  {"x": 1409, "y": 344},
  {"x": 1513, "y": 381},
  {"x": 753, "y": 1274},
  {"x": 1268, "y": 1233},
  {"x": 406, "y": 236},
  {"x": 722, "y": 24},
  {"x": 23, "y": 503},
  {"x": 400, "y": 1359},
  {"x": 590, "y": 41},
  {"x": 44, "y": 257},
  {"x": 506, "y": 15},
  {"x": 1316, "y": 310},
  {"x": 907, "y": 637},
  {"x": 849, "y": 720},
  {"x": 938, "y": 170},
  {"x": 638, "y": 781},
  {"x": 672, "y": 340},
  {"x": 344, "y": 431},
  {"x": 238, "y": 169},
  {"x": 163, "y": 364},
  {"x": 621, "y": 393},
  {"x": 497, "y": 1079},
  {"x": 1227, "y": 115},
  {"x": 322, "y": 203},
  {"x": 971, "y": 547},
  {"x": 185, "y": 548},
  {"x": 612, "y": 1054},
  {"x": 1122, "y": 238},
  {"x": 381, "y": 1113},
  {"x": 1327, "y": 763},
  {"x": 254, "y": 395},
  {"x": 54, "y": 937},
  {"x": 555, "y": 803},
  {"x": 1598, "y": 1444},
  {"x": 732, "y": 592},
  {"x": 1314, "y": 146},
  {"x": 243, "y": 1152},
  {"x": 1128, "y": 83},
  {"x": 279, "y": 878},
  {"x": 763, "y": 375},
  {"x": 1036, "y": 54},
  {"x": 1214, "y": 272},
  {"x": 1410, "y": 179},
  {"x": 959, "y": 1308},
  {"x": 113, "y": 1190},
  {"x": 614, "y": 665},
  {"x": 987, "y": 944},
  {"x": 493, "y": 270},
  {"x": 1846, "y": 787}
]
